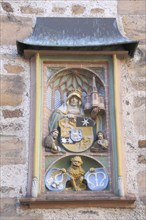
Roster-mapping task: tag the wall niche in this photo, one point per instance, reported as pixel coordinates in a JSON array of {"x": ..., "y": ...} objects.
[{"x": 75, "y": 156}]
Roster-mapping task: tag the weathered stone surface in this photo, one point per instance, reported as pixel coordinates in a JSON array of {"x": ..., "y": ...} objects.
[
  {"x": 13, "y": 68},
  {"x": 12, "y": 88},
  {"x": 97, "y": 11},
  {"x": 14, "y": 28},
  {"x": 139, "y": 101},
  {"x": 12, "y": 150},
  {"x": 31, "y": 10},
  {"x": 133, "y": 7},
  {"x": 22, "y": 217},
  {"x": 137, "y": 71},
  {"x": 5, "y": 189},
  {"x": 11, "y": 128},
  {"x": 58, "y": 10},
  {"x": 141, "y": 180},
  {"x": 12, "y": 114},
  {"x": 140, "y": 71},
  {"x": 139, "y": 85},
  {"x": 137, "y": 67},
  {"x": 8, "y": 211},
  {"x": 139, "y": 118},
  {"x": 134, "y": 27},
  {"x": 141, "y": 159},
  {"x": 140, "y": 55},
  {"x": 142, "y": 143},
  {"x": 8, "y": 206},
  {"x": 7, "y": 7},
  {"x": 77, "y": 9},
  {"x": 12, "y": 100}
]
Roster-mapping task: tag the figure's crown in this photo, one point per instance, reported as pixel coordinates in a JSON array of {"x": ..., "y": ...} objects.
[{"x": 75, "y": 92}]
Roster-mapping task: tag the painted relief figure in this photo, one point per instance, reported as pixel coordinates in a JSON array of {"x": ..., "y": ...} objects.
[
  {"x": 76, "y": 173},
  {"x": 76, "y": 129},
  {"x": 75, "y": 177},
  {"x": 71, "y": 109},
  {"x": 101, "y": 144},
  {"x": 51, "y": 143},
  {"x": 77, "y": 119},
  {"x": 76, "y": 103}
]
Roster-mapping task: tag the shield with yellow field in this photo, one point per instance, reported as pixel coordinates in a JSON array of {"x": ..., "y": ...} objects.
[{"x": 76, "y": 134}]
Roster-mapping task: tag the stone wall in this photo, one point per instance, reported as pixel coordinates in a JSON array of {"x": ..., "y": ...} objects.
[
  {"x": 17, "y": 22},
  {"x": 132, "y": 15}
]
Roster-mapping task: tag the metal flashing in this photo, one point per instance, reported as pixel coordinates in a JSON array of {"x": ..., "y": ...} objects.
[{"x": 77, "y": 34}]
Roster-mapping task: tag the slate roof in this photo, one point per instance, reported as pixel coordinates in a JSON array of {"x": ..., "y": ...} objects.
[{"x": 78, "y": 34}]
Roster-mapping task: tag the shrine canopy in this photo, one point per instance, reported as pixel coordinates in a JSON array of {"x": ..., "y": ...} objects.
[{"x": 76, "y": 34}]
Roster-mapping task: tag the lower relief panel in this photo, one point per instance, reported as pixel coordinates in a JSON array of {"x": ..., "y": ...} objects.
[{"x": 76, "y": 173}]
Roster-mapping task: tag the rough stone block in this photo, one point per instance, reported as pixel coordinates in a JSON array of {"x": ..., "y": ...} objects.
[
  {"x": 139, "y": 101},
  {"x": 134, "y": 27},
  {"x": 142, "y": 143},
  {"x": 12, "y": 150},
  {"x": 6, "y": 6},
  {"x": 13, "y": 68},
  {"x": 12, "y": 114},
  {"x": 141, "y": 159},
  {"x": 12, "y": 88},
  {"x": 141, "y": 180},
  {"x": 141, "y": 51},
  {"x": 97, "y": 11},
  {"x": 137, "y": 67},
  {"x": 137, "y": 71},
  {"x": 14, "y": 28},
  {"x": 133, "y": 7},
  {"x": 139, "y": 85},
  {"x": 31, "y": 10},
  {"x": 5, "y": 189},
  {"x": 11, "y": 128},
  {"x": 8, "y": 206},
  {"x": 139, "y": 117},
  {"x": 78, "y": 9},
  {"x": 22, "y": 217},
  {"x": 58, "y": 10}
]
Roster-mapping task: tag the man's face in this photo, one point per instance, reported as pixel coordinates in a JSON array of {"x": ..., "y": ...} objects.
[
  {"x": 74, "y": 101},
  {"x": 100, "y": 136},
  {"x": 55, "y": 134}
]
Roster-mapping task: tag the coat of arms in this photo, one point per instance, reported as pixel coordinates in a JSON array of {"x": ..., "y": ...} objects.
[{"x": 76, "y": 133}]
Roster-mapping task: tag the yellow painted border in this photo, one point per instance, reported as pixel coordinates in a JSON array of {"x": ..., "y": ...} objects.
[
  {"x": 117, "y": 115},
  {"x": 37, "y": 119}
]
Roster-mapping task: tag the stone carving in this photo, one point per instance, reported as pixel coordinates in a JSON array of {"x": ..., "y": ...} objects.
[
  {"x": 76, "y": 127},
  {"x": 72, "y": 127},
  {"x": 93, "y": 101},
  {"x": 34, "y": 190},
  {"x": 101, "y": 144},
  {"x": 71, "y": 109},
  {"x": 97, "y": 179},
  {"x": 51, "y": 143},
  {"x": 56, "y": 179},
  {"x": 76, "y": 173},
  {"x": 76, "y": 135},
  {"x": 75, "y": 177}
]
